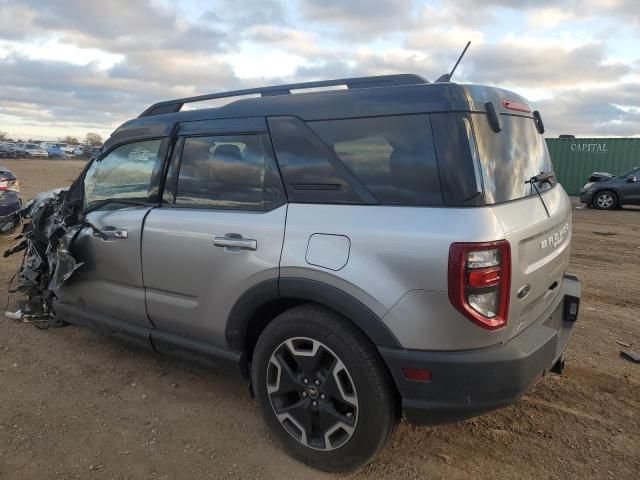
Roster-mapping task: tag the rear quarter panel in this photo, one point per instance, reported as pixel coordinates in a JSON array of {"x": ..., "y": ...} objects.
[{"x": 397, "y": 265}]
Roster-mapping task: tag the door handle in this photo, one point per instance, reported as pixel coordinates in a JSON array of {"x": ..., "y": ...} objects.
[
  {"x": 111, "y": 233},
  {"x": 118, "y": 234},
  {"x": 234, "y": 242}
]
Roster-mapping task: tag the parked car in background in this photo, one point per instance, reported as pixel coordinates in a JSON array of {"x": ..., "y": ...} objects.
[
  {"x": 60, "y": 149},
  {"x": 32, "y": 150},
  {"x": 8, "y": 150},
  {"x": 10, "y": 201},
  {"x": 68, "y": 149},
  {"x": 55, "y": 151},
  {"x": 78, "y": 151},
  {"x": 606, "y": 191}
]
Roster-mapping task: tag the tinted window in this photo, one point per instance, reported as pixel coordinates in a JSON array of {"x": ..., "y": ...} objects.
[
  {"x": 223, "y": 172},
  {"x": 311, "y": 172},
  {"x": 457, "y": 159},
  {"x": 393, "y": 157},
  {"x": 125, "y": 173},
  {"x": 511, "y": 157}
]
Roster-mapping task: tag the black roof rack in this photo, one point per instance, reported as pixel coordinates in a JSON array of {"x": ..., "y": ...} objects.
[{"x": 172, "y": 106}]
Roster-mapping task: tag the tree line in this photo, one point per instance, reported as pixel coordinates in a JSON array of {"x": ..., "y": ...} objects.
[{"x": 93, "y": 139}]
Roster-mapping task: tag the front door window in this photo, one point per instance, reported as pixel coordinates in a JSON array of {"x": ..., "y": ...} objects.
[{"x": 125, "y": 173}]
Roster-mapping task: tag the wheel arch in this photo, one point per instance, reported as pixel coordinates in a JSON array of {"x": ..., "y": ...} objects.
[
  {"x": 261, "y": 303},
  {"x": 608, "y": 189}
]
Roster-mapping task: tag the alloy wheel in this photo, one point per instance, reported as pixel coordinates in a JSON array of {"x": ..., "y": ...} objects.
[
  {"x": 605, "y": 200},
  {"x": 312, "y": 393}
]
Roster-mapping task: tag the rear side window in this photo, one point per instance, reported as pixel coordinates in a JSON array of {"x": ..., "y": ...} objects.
[
  {"x": 393, "y": 157},
  {"x": 511, "y": 157},
  {"x": 311, "y": 171},
  {"x": 457, "y": 159},
  {"x": 227, "y": 171}
]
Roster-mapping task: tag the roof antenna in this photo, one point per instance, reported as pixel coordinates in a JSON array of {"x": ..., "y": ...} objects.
[{"x": 447, "y": 76}]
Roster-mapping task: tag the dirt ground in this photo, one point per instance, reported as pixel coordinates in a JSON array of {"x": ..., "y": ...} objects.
[{"x": 76, "y": 404}]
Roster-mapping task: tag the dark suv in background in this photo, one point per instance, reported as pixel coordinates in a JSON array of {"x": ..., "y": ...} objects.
[{"x": 606, "y": 191}]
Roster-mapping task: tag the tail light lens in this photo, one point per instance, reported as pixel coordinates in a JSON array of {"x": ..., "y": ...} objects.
[
  {"x": 9, "y": 186},
  {"x": 480, "y": 281}
]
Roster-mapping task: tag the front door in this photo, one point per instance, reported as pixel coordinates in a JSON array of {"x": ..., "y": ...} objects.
[
  {"x": 218, "y": 232},
  {"x": 630, "y": 190},
  {"x": 109, "y": 283}
]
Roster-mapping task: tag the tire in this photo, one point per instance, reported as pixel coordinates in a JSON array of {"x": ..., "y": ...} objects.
[
  {"x": 605, "y": 200},
  {"x": 348, "y": 408}
]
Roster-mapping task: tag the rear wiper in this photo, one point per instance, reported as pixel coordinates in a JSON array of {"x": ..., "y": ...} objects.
[{"x": 540, "y": 178}]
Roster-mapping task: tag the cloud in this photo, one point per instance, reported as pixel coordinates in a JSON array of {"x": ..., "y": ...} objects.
[
  {"x": 73, "y": 63},
  {"x": 253, "y": 12},
  {"x": 603, "y": 111},
  {"x": 542, "y": 66},
  {"x": 357, "y": 18},
  {"x": 119, "y": 26}
]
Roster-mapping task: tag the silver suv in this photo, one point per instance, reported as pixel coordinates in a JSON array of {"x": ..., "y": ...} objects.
[{"x": 355, "y": 253}]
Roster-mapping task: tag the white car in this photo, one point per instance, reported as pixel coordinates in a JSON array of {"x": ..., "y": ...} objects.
[
  {"x": 34, "y": 150},
  {"x": 67, "y": 149}
]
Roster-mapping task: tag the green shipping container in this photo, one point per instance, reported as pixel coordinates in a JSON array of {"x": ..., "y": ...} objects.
[{"x": 574, "y": 159}]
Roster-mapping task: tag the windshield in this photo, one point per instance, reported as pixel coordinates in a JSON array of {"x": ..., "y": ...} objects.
[
  {"x": 509, "y": 158},
  {"x": 634, "y": 171}
]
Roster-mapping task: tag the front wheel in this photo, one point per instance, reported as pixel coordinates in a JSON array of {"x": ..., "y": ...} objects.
[
  {"x": 323, "y": 389},
  {"x": 605, "y": 200}
]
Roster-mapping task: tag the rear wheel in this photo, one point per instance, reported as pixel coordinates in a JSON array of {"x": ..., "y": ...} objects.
[
  {"x": 323, "y": 389},
  {"x": 605, "y": 200}
]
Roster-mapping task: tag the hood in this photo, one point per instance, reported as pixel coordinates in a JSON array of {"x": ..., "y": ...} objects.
[{"x": 599, "y": 176}]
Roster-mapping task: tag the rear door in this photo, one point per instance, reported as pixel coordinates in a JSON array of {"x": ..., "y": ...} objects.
[
  {"x": 538, "y": 227},
  {"x": 219, "y": 230},
  {"x": 109, "y": 282}
]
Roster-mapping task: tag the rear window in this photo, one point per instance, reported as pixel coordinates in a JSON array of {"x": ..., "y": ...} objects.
[
  {"x": 393, "y": 157},
  {"x": 511, "y": 157}
]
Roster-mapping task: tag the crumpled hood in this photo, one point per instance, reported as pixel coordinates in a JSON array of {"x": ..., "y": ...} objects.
[
  {"x": 600, "y": 176},
  {"x": 49, "y": 229}
]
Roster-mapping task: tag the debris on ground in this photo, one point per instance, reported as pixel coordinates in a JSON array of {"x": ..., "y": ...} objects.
[
  {"x": 623, "y": 344},
  {"x": 631, "y": 356}
]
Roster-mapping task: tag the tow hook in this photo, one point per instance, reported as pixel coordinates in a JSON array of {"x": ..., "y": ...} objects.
[{"x": 558, "y": 367}]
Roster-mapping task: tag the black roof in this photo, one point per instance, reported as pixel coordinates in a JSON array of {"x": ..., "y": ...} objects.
[{"x": 363, "y": 97}]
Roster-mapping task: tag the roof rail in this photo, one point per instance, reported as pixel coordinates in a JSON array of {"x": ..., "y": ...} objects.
[{"x": 172, "y": 106}]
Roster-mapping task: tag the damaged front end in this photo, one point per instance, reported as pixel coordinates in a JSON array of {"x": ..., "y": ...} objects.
[{"x": 51, "y": 223}]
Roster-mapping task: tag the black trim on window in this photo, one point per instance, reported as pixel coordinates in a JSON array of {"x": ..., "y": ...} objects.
[
  {"x": 171, "y": 180},
  {"x": 456, "y": 153}
]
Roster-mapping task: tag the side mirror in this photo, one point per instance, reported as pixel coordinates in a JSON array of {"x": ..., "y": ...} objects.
[{"x": 631, "y": 179}]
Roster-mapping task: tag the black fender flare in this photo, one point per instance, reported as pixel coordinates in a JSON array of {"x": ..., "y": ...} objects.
[{"x": 306, "y": 290}]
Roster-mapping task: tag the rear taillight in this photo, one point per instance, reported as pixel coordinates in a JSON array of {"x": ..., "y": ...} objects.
[
  {"x": 9, "y": 186},
  {"x": 480, "y": 280}
]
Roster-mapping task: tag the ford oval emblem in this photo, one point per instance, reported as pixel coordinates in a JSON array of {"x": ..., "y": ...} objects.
[{"x": 523, "y": 291}]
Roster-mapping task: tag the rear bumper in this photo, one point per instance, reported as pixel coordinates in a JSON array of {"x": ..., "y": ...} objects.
[{"x": 465, "y": 384}]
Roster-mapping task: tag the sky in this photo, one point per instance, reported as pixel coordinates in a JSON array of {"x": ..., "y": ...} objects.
[{"x": 68, "y": 67}]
